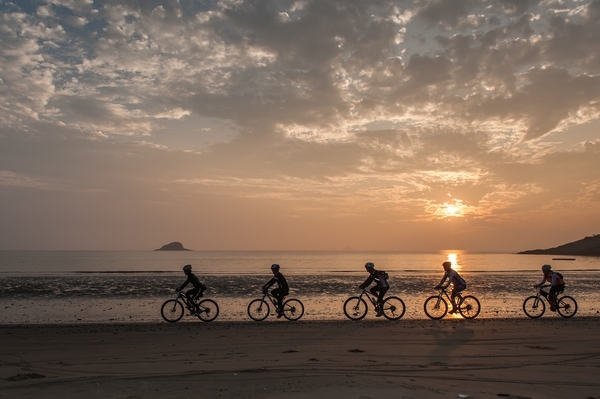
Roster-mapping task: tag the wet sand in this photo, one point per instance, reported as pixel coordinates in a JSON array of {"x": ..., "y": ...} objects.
[{"x": 486, "y": 358}]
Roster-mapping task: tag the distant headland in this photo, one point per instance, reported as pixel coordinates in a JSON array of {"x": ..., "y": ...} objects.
[
  {"x": 174, "y": 246},
  {"x": 588, "y": 246}
]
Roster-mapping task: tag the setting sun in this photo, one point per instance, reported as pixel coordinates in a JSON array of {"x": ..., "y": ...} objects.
[{"x": 451, "y": 210}]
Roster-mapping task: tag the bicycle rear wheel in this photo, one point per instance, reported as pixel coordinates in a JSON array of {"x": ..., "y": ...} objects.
[
  {"x": 293, "y": 309},
  {"x": 435, "y": 307},
  {"x": 567, "y": 306},
  {"x": 469, "y": 307},
  {"x": 355, "y": 308},
  {"x": 393, "y": 308},
  {"x": 208, "y": 310},
  {"x": 172, "y": 310},
  {"x": 258, "y": 310},
  {"x": 534, "y": 307}
]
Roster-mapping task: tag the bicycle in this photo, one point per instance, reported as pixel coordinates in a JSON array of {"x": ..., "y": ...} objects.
[
  {"x": 355, "y": 307},
  {"x": 259, "y": 309},
  {"x": 436, "y": 306},
  {"x": 534, "y": 306},
  {"x": 173, "y": 309}
]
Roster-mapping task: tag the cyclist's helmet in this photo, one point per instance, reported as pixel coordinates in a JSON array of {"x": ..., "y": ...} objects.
[
  {"x": 274, "y": 267},
  {"x": 546, "y": 268},
  {"x": 369, "y": 266},
  {"x": 187, "y": 268},
  {"x": 447, "y": 265}
]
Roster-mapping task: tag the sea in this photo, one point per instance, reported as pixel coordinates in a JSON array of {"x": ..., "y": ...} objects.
[{"x": 55, "y": 287}]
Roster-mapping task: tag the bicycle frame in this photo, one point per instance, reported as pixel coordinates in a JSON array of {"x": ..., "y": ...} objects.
[
  {"x": 372, "y": 298},
  {"x": 356, "y": 307},
  {"x": 271, "y": 298},
  {"x": 436, "y": 306},
  {"x": 535, "y": 306},
  {"x": 444, "y": 293},
  {"x": 181, "y": 297},
  {"x": 189, "y": 306},
  {"x": 539, "y": 297},
  {"x": 291, "y": 308},
  {"x": 174, "y": 309},
  {"x": 542, "y": 294}
]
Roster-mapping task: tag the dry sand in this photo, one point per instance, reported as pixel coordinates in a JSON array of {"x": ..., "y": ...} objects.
[{"x": 450, "y": 358}]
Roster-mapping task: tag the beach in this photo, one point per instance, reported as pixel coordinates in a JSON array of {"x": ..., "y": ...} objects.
[{"x": 372, "y": 358}]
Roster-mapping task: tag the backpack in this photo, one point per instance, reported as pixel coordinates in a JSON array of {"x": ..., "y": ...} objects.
[
  {"x": 384, "y": 274},
  {"x": 560, "y": 276},
  {"x": 460, "y": 279}
]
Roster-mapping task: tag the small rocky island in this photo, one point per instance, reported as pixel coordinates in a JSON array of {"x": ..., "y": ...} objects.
[
  {"x": 174, "y": 246},
  {"x": 588, "y": 246}
]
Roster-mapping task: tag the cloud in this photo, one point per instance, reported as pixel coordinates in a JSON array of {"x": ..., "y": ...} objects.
[{"x": 344, "y": 108}]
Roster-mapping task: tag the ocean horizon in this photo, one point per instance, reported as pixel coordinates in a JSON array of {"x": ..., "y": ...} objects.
[{"x": 215, "y": 262}]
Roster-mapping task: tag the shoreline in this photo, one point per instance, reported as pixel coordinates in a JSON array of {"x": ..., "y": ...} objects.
[
  {"x": 424, "y": 359},
  {"x": 142, "y": 310},
  {"x": 138, "y": 326}
]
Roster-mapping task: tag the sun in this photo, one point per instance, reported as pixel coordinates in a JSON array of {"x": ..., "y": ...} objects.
[{"x": 451, "y": 210}]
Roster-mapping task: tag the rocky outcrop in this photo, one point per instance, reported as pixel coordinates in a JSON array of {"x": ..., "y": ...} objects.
[
  {"x": 174, "y": 246},
  {"x": 589, "y": 246}
]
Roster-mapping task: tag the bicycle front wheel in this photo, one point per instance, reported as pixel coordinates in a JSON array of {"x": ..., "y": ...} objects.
[
  {"x": 293, "y": 309},
  {"x": 355, "y": 308},
  {"x": 172, "y": 310},
  {"x": 208, "y": 310},
  {"x": 393, "y": 308},
  {"x": 258, "y": 310},
  {"x": 435, "y": 307},
  {"x": 534, "y": 307},
  {"x": 469, "y": 307},
  {"x": 567, "y": 306}
]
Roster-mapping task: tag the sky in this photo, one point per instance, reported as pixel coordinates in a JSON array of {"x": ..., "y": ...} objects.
[{"x": 299, "y": 125}]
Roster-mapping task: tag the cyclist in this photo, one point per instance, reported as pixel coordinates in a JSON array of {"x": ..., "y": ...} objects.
[
  {"x": 195, "y": 292},
  {"x": 458, "y": 284},
  {"x": 378, "y": 290},
  {"x": 557, "y": 285},
  {"x": 282, "y": 288}
]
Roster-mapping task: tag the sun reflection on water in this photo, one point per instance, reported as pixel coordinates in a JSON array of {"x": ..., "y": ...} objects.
[{"x": 453, "y": 257}]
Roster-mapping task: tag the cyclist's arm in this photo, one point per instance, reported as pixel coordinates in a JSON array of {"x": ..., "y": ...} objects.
[
  {"x": 269, "y": 283},
  {"x": 182, "y": 286},
  {"x": 541, "y": 283},
  {"x": 368, "y": 281},
  {"x": 443, "y": 279}
]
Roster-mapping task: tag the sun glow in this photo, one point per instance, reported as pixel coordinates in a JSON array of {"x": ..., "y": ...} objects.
[
  {"x": 451, "y": 209},
  {"x": 453, "y": 257}
]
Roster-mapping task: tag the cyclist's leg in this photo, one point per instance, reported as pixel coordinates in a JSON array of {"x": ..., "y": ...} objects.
[
  {"x": 278, "y": 295},
  {"x": 375, "y": 291},
  {"x": 382, "y": 292},
  {"x": 554, "y": 291},
  {"x": 379, "y": 292},
  {"x": 192, "y": 295},
  {"x": 456, "y": 289}
]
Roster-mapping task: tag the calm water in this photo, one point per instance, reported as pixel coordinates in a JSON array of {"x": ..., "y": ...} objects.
[
  {"x": 258, "y": 262},
  {"x": 97, "y": 286}
]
